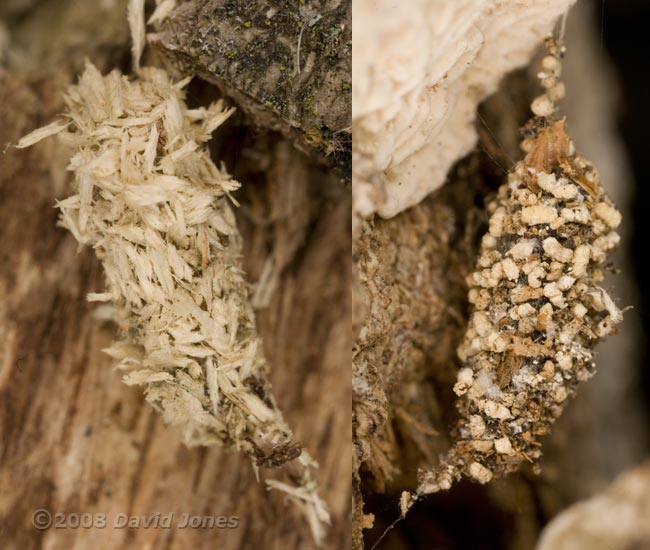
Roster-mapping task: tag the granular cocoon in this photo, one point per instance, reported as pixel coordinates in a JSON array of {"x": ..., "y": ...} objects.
[{"x": 537, "y": 307}]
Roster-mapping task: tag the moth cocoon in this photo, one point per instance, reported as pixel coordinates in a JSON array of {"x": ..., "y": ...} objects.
[
  {"x": 157, "y": 212},
  {"x": 545, "y": 349}
]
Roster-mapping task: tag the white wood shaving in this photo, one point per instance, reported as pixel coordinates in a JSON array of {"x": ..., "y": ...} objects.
[
  {"x": 135, "y": 17},
  {"x": 306, "y": 499},
  {"x": 162, "y": 11},
  {"x": 41, "y": 133}
]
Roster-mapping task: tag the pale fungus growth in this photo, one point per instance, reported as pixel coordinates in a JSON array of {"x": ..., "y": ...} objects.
[{"x": 420, "y": 70}]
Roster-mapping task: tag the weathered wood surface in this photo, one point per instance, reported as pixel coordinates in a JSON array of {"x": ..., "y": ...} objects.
[
  {"x": 287, "y": 64},
  {"x": 73, "y": 438}
]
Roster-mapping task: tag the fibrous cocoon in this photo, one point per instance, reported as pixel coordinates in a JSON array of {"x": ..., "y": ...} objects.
[{"x": 157, "y": 212}]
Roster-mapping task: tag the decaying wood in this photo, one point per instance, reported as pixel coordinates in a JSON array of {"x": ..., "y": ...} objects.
[
  {"x": 75, "y": 439},
  {"x": 287, "y": 64},
  {"x": 51, "y": 36},
  {"x": 411, "y": 274}
]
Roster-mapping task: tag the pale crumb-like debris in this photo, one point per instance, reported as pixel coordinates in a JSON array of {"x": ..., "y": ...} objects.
[
  {"x": 157, "y": 212},
  {"x": 536, "y": 215},
  {"x": 608, "y": 214},
  {"x": 368, "y": 521},
  {"x": 464, "y": 381},
  {"x": 479, "y": 472},
  {"x": 503, "y": 446},
  {"x": 542, "y": 106},
  {"x": 405, "y": 502},
  {"x": 538, "y": 309}
]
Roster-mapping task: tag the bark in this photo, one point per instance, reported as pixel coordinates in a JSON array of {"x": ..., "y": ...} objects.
[
  {"x": 76, "y": 439},
  {"x": 288, "y": 66}
]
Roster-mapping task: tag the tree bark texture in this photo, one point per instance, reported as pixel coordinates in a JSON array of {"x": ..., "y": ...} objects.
[{"x": 287, "y": 64}]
